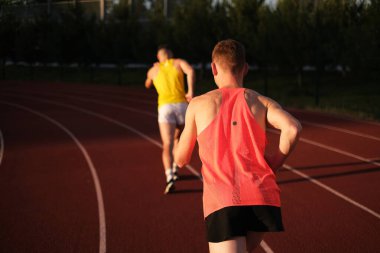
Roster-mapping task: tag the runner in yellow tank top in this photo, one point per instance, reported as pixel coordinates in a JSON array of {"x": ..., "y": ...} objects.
[
  {"x": 169, "y": 83},
  {"x": 167, "y": 75}
]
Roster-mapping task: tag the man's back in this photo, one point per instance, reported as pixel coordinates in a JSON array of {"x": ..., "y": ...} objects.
[
  {"x": 208, "y": 105},
  {"x": 169, "y": 83},
  {"x": 168, "y": 78}
]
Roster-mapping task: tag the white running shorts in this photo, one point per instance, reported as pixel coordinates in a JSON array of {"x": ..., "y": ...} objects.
[{"x": 172, "y": 113}]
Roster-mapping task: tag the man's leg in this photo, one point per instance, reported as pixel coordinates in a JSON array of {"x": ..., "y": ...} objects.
[
  {"x": 177, "y": 134},
  {"x": 167, "y": 131},
  {"x": 253, "y": 240},
  {"x": 236, "y": 245}
]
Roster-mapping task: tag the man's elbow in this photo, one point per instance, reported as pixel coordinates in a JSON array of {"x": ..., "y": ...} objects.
[
  {"x": 180, "y": 163},
  {"x": 295, "y": 129},
  {"x": 180, "y": 160},
  {"x": 191, "y": 72}
]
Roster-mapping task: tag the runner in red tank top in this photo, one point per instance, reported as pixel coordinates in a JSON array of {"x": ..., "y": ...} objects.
[{"x": 241, "y": 198}]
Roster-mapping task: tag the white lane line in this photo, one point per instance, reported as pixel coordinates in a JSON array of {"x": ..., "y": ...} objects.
[
  {"x": 342, "y": 152},
  {"x": 95, "y": 101},
  {"x": 339, "y": 117},
  {"x": 339, "y": 151},
  {"x": 98, "y": 189},
  {"x": 375, "y": 158},
  {"x": 111, "y": 104},
  {"x": 266, "y": 247},
  {"x": 320, "y": 184},
  {"x": 341, "y": 130},
  {"x": 146, "y": 101},
  {"x": 331, "y": 190},
  {"x": 1, "y": 147}
]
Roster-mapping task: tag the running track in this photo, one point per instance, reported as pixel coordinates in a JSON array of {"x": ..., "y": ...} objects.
[{"x": 80, "y": 171}]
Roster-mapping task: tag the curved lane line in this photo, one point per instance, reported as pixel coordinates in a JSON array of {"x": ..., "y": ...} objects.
[
  {"x": 339, "y": 151},
  {"x": 340, "y": 195},
  {"x": 339, "y": 117},
  {"x": 116, "y": 122},
  {"x": 96, "y": 101},
  {"x": 99, "y": 196},
  {"x": 266, "y": 247},
  {"x": 341, "y": 130}
]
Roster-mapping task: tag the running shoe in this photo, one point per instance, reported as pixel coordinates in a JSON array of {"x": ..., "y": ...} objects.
[
  {"x": 169, "y": 187},
  {"x": 175, "y": 176},
  {"x": 175, "y": 172}
]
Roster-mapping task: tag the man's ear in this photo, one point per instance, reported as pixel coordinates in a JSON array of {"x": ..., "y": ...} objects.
[
  {"x": 245, "y": 69},
  {"x": 214, "y": 69}
]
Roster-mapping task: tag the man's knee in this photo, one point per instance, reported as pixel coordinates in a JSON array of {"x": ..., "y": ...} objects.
[{"x": 167, "y": 147}]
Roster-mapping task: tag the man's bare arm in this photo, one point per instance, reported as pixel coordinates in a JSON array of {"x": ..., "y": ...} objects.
[
  {"x": 149, "y": 78},
  {"x": 190, "y": 76},
  {"x": 290, "y": 130},
  {"x": 185, "y": 146}
]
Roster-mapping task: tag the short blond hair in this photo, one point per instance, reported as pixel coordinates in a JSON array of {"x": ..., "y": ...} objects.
[{"x": 230, "y": 54}]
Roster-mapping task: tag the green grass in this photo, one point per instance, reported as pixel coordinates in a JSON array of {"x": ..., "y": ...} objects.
[{"x": 354, "y": 95}]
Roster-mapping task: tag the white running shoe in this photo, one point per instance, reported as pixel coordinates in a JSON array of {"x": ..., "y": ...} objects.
[{"x": 169, "y": 187}]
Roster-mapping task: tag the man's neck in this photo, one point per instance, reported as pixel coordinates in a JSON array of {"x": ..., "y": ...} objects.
[
  {"x": 229, "y": 81},
  {"x": 230, "y": 86},
  {"x": 164, "y": 60}
]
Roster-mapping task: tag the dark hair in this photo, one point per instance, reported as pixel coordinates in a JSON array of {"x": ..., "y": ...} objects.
[
  {"x": 163, "y": 46},
  {"x": 167, "y": 50},
  {"x": 230, "y": 54}
]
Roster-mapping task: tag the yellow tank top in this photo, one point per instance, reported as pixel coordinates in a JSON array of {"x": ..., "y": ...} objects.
[{"x": 169, "y": 84}]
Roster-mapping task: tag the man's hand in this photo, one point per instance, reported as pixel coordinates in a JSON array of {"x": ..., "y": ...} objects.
[
  {"x": 275, "y": 161},
  {"x": 189, "y": 96},
  {"x": 151, "y": 74},
  {"x": 290, "y": 129}
]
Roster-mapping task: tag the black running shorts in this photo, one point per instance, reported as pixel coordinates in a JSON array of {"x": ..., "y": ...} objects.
[{"x": 235, "y": 221}]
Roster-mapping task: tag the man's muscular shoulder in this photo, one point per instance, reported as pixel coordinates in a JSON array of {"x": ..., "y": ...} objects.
[
  {"x": 207, "y": 100},
  {"x": 153, "y": 71}
]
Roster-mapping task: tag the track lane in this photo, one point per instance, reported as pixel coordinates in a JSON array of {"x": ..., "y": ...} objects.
[
  {"x": 134, "y": 217},
  {"x": 371, "y": 128},
  {"x": 301, "y": 182},
  {"x": 319, "y": 248},
  {"x": 264, "y": 245},
  {"x": 324, "y": 138},
  {"x": 39, "y": 209}
]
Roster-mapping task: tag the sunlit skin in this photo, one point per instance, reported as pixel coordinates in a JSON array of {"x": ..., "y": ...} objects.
[
  {"x": 170, "y": 132},
  {"x": 203, "y": 109}
]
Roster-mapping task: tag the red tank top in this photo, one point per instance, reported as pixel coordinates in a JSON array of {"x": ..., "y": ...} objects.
[{"x": 231, "y": 149}]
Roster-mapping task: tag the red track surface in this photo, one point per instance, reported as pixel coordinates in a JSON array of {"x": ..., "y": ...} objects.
[{"x": 49, "y": 201}]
